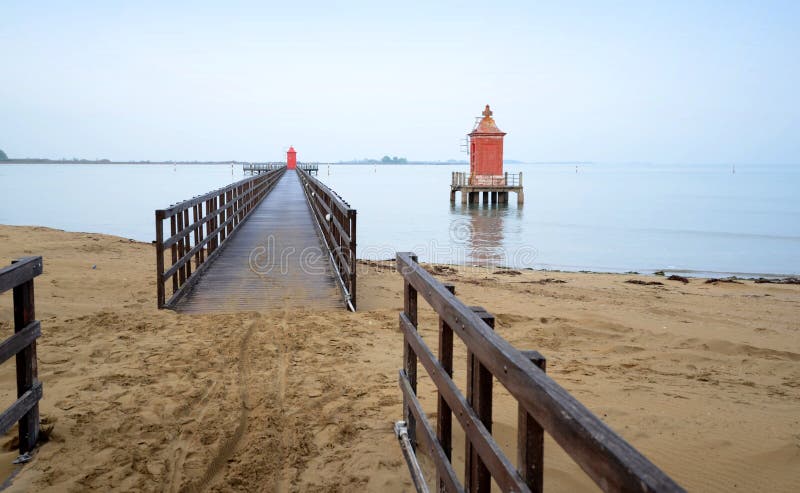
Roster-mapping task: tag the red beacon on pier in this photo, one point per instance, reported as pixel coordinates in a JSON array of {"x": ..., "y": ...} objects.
[
  {"x": 291, "y": 158},
  {"x": 486, "y": 176},
  {"x": 486, "y": 150}
]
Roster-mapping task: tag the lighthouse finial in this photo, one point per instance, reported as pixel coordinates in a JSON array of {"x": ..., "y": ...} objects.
[{"x": 487, "y": 112}]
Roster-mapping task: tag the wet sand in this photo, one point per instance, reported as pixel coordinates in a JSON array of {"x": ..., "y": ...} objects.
[{"x": 704, "y": 379}]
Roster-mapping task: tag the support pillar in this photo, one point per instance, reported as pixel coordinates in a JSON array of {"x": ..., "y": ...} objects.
[
  {"x": 520, "y": 197},
  {"x": 452, "y": 196},
  {"x": 485, "y": 198},
  {"x": 464, "y": 194},
  {"x": 494, "y": 197}
]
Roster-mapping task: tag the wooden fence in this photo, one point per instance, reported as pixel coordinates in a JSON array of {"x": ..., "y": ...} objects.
[
  {"x": 463, "y": 179},
  {"x": 214, "y": 217},
  {"x": 25, "y": 410},
  {"x": 543, "y": 405},
  {"x": 337, "y": 226},
  {"x": 255, "y": 168}
]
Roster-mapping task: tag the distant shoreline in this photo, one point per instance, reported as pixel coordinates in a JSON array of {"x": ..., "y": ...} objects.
[{"x": 427, "y": 163}]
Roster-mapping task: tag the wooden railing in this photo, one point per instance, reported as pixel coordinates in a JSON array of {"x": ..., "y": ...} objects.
[
  {"x": 463, "y": 179},
  {"x": 214, "y": 217},
  {"x": 337, "y": 226},
  {"x": 255, "y": 168},
  {"x": 544, "y": 406},
  {"x": 25, "y": 410},
  {"x": 312, "y": 168}
]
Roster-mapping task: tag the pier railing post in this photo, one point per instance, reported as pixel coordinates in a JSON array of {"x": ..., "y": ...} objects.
[
  {"x": 479, "y": 396},
  {"x": 530, "y": 438},
  {"x": 444, "y": 415},
  {"x": 409, "y": 357},
  {"x": 27, "y": 365},
  {"x": 160, "y": 289},
  {"x": 353, "y": 259}
]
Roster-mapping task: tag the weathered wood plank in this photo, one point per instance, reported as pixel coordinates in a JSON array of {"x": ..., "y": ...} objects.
[
  {"x": 530, "y": 439},
  {"x": 27, "y": 364},
  {"x": 19, "y": 408},
  {"x": 161, "y": 292},
  {"x": 20, "y": 271},
  {"x": 479, "y": 396},
  {"x": 444, "y": 468},
  {"x": 409, "y": 356},
  {"x": 444, "y": 416},
  {"x": 20, "y": 340}
]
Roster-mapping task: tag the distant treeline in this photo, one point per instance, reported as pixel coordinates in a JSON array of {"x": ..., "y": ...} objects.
[
  {"x": 26, "y": 160},
  {"x": 397, "y": 160},
  {"x": 383, "y": 160}
]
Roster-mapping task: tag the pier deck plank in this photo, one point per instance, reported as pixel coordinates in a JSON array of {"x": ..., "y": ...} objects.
[{"x": 274, "y": 260}]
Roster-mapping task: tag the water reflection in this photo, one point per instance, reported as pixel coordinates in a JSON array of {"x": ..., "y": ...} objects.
[{"x": 478, "y": 231}]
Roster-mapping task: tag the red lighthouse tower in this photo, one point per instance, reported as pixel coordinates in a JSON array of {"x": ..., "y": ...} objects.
[
  {"x": 486, "y": 150},
  {"x": 486, "y": 176},
  {"x": 291, "y": 158}
]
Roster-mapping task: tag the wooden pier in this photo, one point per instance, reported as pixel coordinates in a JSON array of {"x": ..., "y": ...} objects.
[
  {"x": 493, "y": 189},
  {"x": 253, "y": 245},
  {"x": 256, "y": 168}
]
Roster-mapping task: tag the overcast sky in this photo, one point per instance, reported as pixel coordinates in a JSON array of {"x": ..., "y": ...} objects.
[{"x": 663, "y": 81}]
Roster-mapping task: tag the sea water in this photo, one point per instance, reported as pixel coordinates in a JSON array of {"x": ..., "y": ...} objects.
[{"x": 695, "y": 219}]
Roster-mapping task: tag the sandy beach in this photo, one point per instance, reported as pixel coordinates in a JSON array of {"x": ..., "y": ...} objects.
[{"x": 703, "y": 378}]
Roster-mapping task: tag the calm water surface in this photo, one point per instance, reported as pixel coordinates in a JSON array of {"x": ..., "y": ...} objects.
[{"x": 604, "y": 217}]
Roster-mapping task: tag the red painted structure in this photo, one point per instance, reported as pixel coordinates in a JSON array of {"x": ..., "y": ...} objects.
[
  {"x": 486, "y": 148},
  {"x": 291, "y": 158}
]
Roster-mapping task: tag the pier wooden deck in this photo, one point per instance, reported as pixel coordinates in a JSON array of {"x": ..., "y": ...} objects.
[{"x": 273, "y": 258}]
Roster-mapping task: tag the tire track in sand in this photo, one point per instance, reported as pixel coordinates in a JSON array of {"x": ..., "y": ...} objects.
[
  {"x": 282, "y": 483},
  {"x": 229, "y": 446}
]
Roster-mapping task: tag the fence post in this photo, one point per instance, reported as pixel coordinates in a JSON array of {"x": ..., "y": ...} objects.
[
  {"x": 530, "y": 438},
  {"x": 174, "y": 251},
  {"x": 187, "y": 243},
  {"x": 27, "y": 366},
  {"x": 160, "y": 259},
  {"x": 198, "y": 227},
  {"x": 479, "y": 396},
  {"x": 353, "y": 259},
  {"x": 444, "y": 415},
  {"x": 181, "y": 248},
  {"x": 409, "y": 357}
]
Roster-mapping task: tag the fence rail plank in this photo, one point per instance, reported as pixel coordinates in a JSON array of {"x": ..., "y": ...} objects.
[
  {"x": 19, "y": 272},
  {"x": 444, "y": 468},
  {"x": 20, "y": 407},
  {"x": 20, "y": 340}
]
